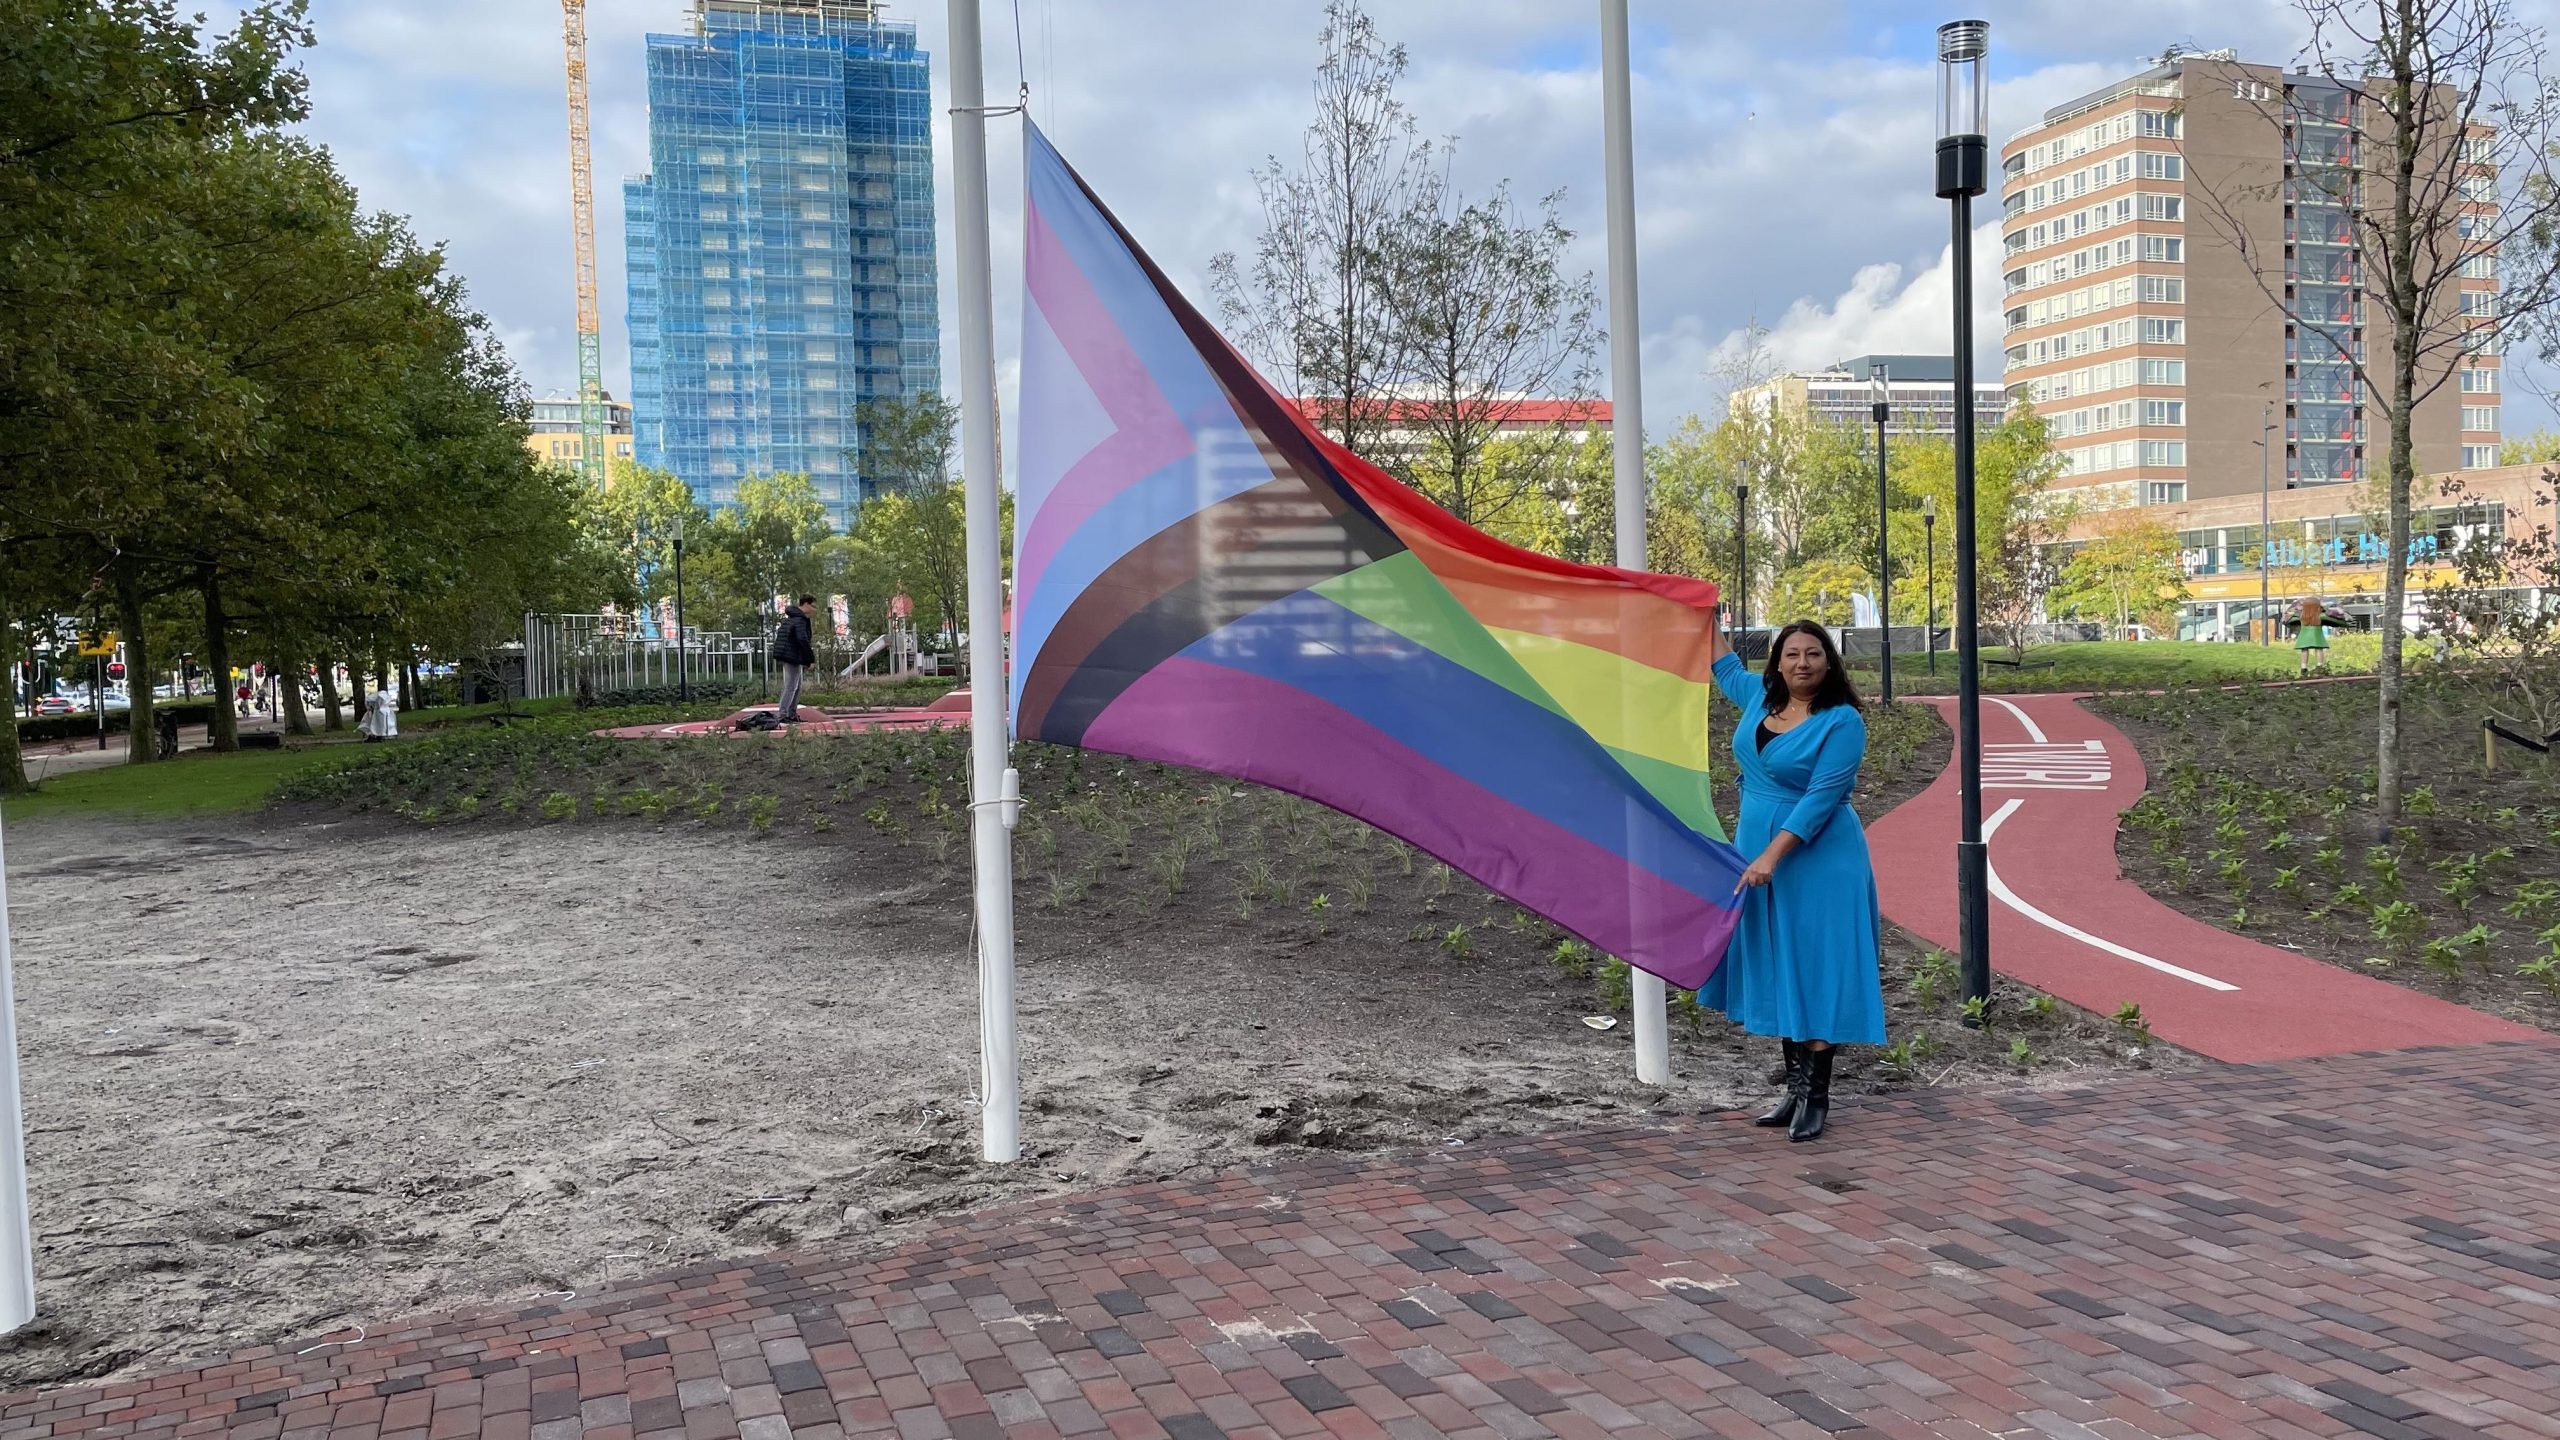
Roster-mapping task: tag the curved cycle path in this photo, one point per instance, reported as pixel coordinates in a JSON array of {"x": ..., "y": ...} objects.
[{"x": 2066, "y": 921}]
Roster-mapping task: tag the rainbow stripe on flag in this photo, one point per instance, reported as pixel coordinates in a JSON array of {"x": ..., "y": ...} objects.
[{"x": 1203, "y": 579}]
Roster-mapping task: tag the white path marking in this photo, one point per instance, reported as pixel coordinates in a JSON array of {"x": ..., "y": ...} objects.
[
  {"x": 2034, "y": 732},
  {"x": 2010, "y": 898}
]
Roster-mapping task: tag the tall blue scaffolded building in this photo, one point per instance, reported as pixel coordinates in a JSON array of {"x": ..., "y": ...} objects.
[{"x": 781, "y": 264}]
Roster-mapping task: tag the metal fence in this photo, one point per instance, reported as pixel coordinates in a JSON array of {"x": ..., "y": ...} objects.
[
  {"x": 593, "y": 654},
  {"x": 596, "y": 654}
]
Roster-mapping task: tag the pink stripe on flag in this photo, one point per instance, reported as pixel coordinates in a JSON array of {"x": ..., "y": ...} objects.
[{"x": 1209, "y": 717}]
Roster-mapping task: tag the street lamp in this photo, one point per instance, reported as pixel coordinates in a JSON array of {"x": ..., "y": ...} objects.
[
  {"x": 1929, "y": 629},
  {"x": 1741, "y": 562},
  {"x": 1883, "y": 392},
  {"x": 2266, "y": 448},
  {"x": 1964, "y": 147}
]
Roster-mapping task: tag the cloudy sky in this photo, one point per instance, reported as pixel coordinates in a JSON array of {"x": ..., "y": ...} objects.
[{"x": 1782, "y": 150}]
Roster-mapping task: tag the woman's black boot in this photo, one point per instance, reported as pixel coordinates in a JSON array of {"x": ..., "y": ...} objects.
[
  {"x": 1784, "y": 1112},
  {"x": 1814, "y": 1110}
]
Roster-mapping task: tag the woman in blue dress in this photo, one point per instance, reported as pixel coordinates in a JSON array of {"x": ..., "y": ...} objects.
[{"x": 1802, "y": 963}]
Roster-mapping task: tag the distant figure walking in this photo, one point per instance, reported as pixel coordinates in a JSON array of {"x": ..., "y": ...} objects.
[{"x": 793, "y": 647}]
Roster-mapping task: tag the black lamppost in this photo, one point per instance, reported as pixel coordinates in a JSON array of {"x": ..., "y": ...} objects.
[
  {"x": 1929, "y": 626},
  {"x": 1964, "y": 164},
  {"x": 1883, "y": 393},
  {"x": 1741, "y": 563}
]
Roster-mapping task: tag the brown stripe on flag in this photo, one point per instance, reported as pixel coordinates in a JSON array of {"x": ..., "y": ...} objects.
[{"x": 1186, "y": 583}]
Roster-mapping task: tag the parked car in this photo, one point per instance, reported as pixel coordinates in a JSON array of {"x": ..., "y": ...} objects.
[{"x": 53, "y": 705}]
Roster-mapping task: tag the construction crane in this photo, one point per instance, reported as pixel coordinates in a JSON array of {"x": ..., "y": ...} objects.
[{"x": 582, "y": 212}]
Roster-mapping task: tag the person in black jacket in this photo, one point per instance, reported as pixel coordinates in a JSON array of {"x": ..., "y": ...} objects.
[{"x": 793, "y": 648}]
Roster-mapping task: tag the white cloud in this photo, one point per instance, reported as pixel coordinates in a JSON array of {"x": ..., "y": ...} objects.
[
  {"x": 1881, "y": 313},
  {"x": 1783, "y": 151}
]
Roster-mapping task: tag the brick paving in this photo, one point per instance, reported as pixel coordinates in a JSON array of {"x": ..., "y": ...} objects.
[{"x": 2355, "y": 1245}]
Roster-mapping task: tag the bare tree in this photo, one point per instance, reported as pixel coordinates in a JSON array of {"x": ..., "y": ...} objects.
[
  {"x": 1481, "y": 314},
  {"x": 2447, "y": 101},
  {"x": 1309, "y": 307}
]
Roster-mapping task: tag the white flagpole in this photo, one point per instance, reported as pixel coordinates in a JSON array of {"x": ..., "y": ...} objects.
[
  {"x": 1626, "y": 426},
  {"x": 17, "y": 1243},
  {"x": 991, "y": 782}
]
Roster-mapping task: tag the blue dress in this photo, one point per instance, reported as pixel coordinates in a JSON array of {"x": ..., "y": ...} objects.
[{"x": 1802, "y": 965}]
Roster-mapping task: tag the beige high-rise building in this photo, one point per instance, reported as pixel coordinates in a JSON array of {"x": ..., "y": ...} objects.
[{"x": 2180, "y": 276}]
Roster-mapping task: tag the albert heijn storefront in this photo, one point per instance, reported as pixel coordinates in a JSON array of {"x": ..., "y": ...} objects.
[{"x": 2324, "y": 545}]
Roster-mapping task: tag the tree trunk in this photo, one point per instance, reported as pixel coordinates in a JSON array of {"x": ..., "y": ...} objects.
[
  {"x": 288, "y": 678},
  {"x": 328, "y": 670},
  {"x": 13, "y": 771},
  {"x": 141, "y": 740},
  {"x": 408, "y": 687},
  {"x": 2406, "y": 302},
  {"x": 225, "y": 730}
]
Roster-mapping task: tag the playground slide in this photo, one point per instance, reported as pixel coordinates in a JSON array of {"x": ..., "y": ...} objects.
[{"x": 876, "y": 646}]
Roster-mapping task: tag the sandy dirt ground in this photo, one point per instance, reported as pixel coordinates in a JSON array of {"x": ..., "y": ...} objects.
[{"x": 283, "y": 1077}]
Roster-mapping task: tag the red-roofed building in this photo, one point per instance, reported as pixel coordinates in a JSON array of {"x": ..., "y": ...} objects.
[{"x": 1506, "y": 415}]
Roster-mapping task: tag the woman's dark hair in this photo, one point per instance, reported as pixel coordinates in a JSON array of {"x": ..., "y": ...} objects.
[{"x": 1836, "y": 689}]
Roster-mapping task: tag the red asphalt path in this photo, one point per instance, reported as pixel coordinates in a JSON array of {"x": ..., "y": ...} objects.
[{"x": 2066, "y": 921}]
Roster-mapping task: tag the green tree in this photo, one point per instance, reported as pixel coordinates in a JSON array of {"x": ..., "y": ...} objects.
[
  {"x": 769, "y": 543},
  {"x": 2130, "y": 570},
  {"x": 2538, "y": 447}
]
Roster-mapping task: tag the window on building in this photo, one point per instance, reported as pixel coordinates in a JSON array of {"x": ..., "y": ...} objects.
[
  {"x": 2164, "y": 452},
  {"x": 2479, "y": 457},
  {"x": 2164, "y": 332},
  {"x": 2480, "y": 380},
  {"x": 2480, "y": 267},
  {"x": 2164, "y": 372},
  {"x": 715, "y": 214},
  {"x": 2479, "y": 417},
  {"x": 2163, "y": 207},
  {"x": 2164, "y": 247},
  {"x": 2479, "y": 302},
  {"x": 817, "y": 294},
  {"x": 2159, "y": 166},
  {"x": 2164, "y": 289},
  {"x": 2161, "y": 123},
  {"x": 2164, "y": 412},
  {"x": 2163, "y": 492}
]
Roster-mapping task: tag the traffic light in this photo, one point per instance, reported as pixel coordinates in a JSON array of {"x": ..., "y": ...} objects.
[{"x": 115, "y": 669}]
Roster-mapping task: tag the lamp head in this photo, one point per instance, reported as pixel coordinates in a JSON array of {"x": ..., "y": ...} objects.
[
  {"x": 1929, "y": 508},
  {"x": 1964, "y": 107},
  {"x": 1879, "y": 390}
]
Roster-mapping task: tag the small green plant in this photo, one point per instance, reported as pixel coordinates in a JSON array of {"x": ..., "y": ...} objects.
[
  {"x": 2444, "y": 957},
  {"x": 1617, "y": 983},
  {"x": 822, "y": 823},
  {"x": 2043, "y": 1007},
  {"x": 2332, "y": 863},
  {"x": 761, "y": 810},
  {"x": 2129, "y": 1019},
  {"x": 559, "y": 805},
  {"x": 1459, "y": 941},
  {"x": 1573, "y": 958},
  {"x": 2235, "y": 878},
  {"x": 1320, "y": 904},
  {"x": 2289, "y": 882},
  {"x": 1260, "y": 879},
  {"x": 1934, "y": 978},
  {"x": 1443, "y": 880},
  {"x": 2383, "y": 864},
  {"x": 1359, "y": 887},
  {"x": 1979, "y": 1014},
  {"x": 2021, "y": 1054},
  {"x": 2421, "y": 801},
  {"x": 2399, "y": 923}
]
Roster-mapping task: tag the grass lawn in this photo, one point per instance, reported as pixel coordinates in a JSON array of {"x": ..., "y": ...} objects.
[
  {"x": 198, "y": 783},
  {"x": 2121, "y": 665}
]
